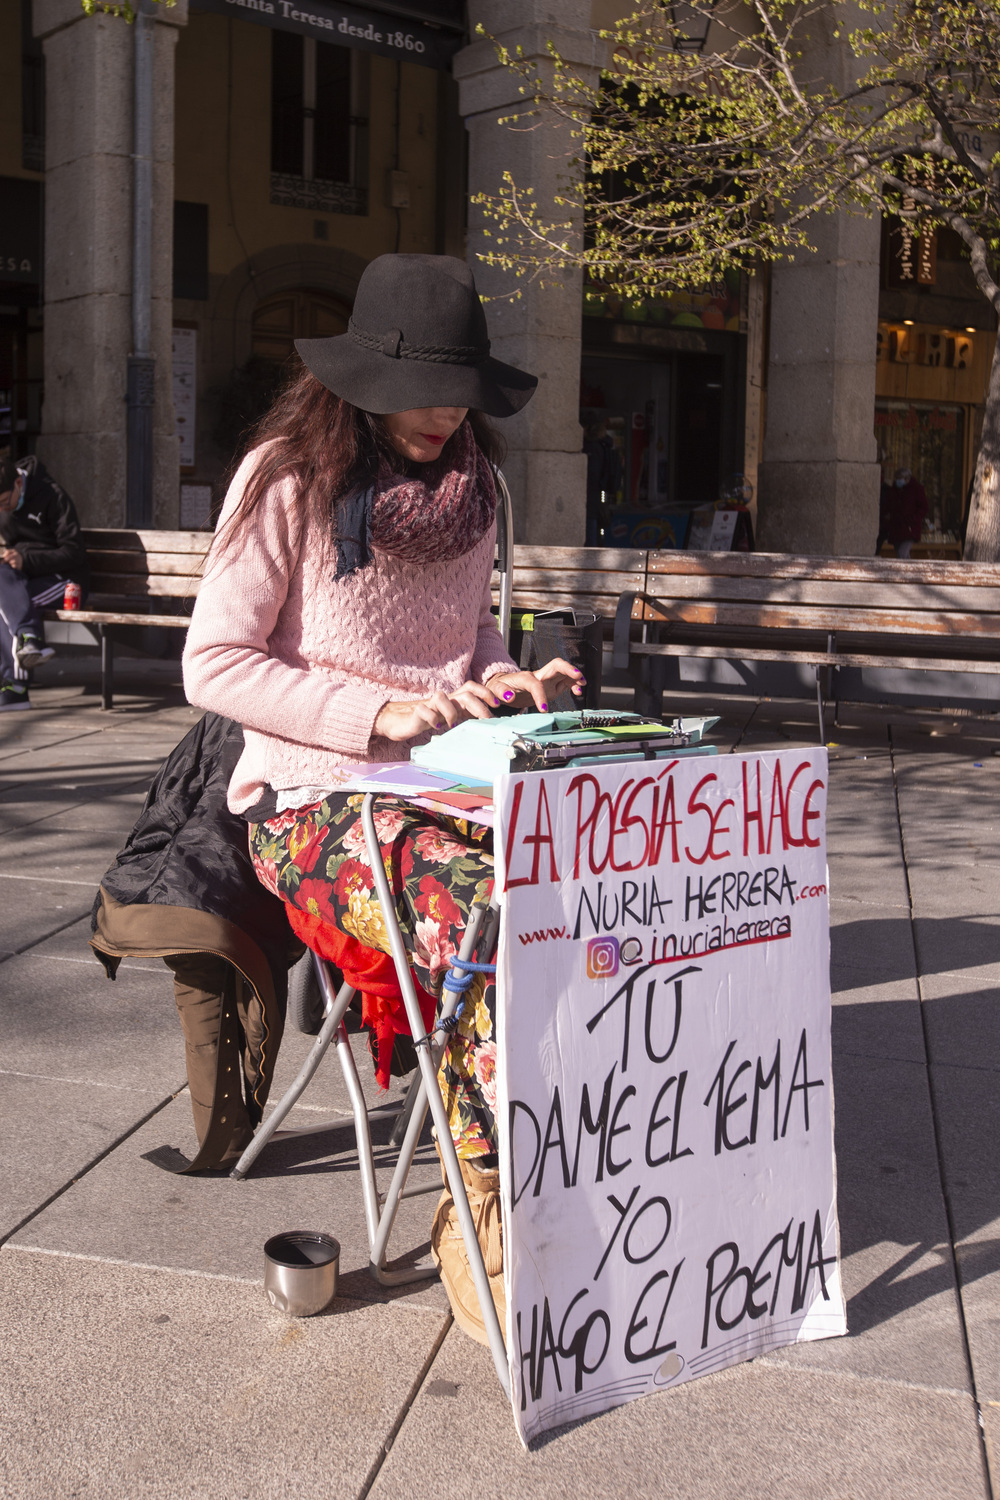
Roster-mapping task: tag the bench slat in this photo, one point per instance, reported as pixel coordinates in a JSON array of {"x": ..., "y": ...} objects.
[
  {"x": 598, "y": 604},
  {"x": 140, "y": 587},
  {"x": 814, "y": 592},
  {"x": 819, "y": 658},
  {"x": 575, "y": 559},
  {"x": 895, "y": 622},
  {"x": 141, "y": 564},
  {"x": 126, "y": 540},
  {"x": 848, "y": 569},
  {"x": 110, "y": 617},
  {"x": 568, "y": 583}
]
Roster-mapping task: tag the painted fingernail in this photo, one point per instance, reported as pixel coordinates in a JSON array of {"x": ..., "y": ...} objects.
[
  {"x": 544, "y": 707},
  {"x": 508, "y": 696}
]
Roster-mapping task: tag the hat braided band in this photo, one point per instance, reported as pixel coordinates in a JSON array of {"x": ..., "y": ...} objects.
[{"x": 394, "y": 346}]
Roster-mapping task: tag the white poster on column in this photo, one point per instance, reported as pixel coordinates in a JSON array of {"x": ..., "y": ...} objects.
[{"x": 665, "y": 1096}]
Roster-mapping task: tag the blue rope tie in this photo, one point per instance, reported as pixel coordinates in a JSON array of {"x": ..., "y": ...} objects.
[{"x": 459, "y": 982}]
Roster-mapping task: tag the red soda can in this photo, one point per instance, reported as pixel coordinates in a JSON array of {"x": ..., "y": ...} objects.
[{"x": 72, "y": 596}]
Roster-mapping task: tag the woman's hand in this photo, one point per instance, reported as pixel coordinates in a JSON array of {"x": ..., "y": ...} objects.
[
  {"x": 519, "y": 689},
  {"x": 404, "y": 721}
]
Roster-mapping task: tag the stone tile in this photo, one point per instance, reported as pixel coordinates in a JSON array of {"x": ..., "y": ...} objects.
[
  {"x": 991, "y": 1433},
  {"x": 940, "y": 889},
  {"x": 957, "y": 943},
  {"x": 967, "y": 1106},
  {"x": 69, "y": 1021},
  {"x": 875, "y": 939},
  {"x": 327, "y": 1089},
  {"x": 72, "y": 945},
  {"x": 31, "y": 909},
  {"x": 56, "y": 850},
  {"x": 112, "y": 810},
  {"x": 129, "y": 1209},
  {"x": 52, "y": 1130},
  {"x": 902, "y": 1315},
  {"x": 876, "y": 1021},
  {"x": 868, "y": 882},
  {"x": 962, "y": 1017},
  {"x": 761, "y": 1431},
  {"x": 160, "y": 1385}
]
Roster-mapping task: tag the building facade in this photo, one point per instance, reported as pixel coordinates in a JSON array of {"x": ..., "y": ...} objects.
[{"x": 292, "y": 146}]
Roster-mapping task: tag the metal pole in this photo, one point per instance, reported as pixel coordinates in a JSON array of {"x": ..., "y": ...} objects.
[{"x": 141, "y": 365}]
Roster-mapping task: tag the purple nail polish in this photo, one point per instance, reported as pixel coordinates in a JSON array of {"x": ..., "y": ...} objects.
[
  {"x": 545, "y": 708},
  {"x": 508, "y": 696}
]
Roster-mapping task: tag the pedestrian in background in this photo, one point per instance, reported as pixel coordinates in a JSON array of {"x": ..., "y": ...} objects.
[
  {"x": 41, "y": 550},
  {"x": 901, "y": 513}
]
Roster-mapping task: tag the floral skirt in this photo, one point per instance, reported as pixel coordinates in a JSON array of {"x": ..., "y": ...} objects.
[{"x": 315, "y": 859}]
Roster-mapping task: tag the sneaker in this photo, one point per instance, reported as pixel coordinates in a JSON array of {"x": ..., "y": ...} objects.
[
  {"x": 13, "y": 695},
  {"x": 29, "y": 651}
]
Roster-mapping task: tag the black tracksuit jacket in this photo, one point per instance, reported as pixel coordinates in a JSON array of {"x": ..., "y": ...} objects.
[{"x": 45, "y": 528}]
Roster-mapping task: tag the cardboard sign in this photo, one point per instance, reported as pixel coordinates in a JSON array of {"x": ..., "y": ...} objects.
[{"x": 664, "y": 1075}]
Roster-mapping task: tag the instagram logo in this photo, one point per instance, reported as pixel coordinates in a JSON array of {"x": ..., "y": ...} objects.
[{"x": 602, "y": 958}]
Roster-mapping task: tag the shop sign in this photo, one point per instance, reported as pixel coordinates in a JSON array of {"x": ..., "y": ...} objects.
[
  {"x": 346, "y": 26},
  {"x": 663, "y": 1075},
  {"x": 915, "y": 419},
  {"x": 20, "y": 230}
]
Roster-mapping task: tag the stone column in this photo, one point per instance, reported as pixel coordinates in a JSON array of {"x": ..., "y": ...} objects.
[
  {"x": 88, "y": 256},
  {"x": 819, "y": 476},
  {"x": 541, "y": 330}
]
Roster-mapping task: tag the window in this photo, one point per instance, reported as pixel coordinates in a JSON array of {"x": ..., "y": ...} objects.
[
  {"x": 191, "y": 250},
  {"x": 317, "y": 132}
]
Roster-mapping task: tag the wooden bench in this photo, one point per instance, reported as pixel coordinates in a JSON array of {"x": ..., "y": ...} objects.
[
  {"x": 827, "y": 612},
  {"x": 133, "y": 575}
]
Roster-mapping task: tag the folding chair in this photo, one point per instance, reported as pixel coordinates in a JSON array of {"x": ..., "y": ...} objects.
[
  {"x": 482, "y": 929},
  {"x": 381, "y": 1209}
]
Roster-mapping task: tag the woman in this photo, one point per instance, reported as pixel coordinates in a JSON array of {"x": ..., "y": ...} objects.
[{"x": 345, "y": 614}]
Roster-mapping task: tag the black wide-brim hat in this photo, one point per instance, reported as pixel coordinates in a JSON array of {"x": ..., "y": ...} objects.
[{"x": 417, "y": 337}]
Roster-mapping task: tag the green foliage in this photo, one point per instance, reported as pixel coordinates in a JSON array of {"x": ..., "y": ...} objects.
[
  {"x": 683, "y": 162},
  {"x": 122, "y": 8}
]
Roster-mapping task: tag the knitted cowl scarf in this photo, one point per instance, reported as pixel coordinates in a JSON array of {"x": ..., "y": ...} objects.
[{"x": 437, "y": 515}]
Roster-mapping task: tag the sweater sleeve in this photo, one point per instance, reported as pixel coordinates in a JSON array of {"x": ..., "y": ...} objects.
[
  {"x": 227, "y": 664},
  {"x": 490, "y": 656}
]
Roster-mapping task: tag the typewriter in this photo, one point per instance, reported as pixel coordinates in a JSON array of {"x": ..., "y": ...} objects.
[{"x": 482, "y": 749}]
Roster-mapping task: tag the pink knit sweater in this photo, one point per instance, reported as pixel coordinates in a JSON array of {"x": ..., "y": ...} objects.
[{"x": 305, "y": 662}]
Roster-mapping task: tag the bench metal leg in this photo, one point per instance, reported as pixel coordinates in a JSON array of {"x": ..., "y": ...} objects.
[
  {"x": 107, "y": 667},
  {"x": 819, "y": 705}
]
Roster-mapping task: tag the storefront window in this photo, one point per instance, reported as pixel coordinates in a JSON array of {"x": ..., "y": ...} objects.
[{"x": 928, "y": 439}]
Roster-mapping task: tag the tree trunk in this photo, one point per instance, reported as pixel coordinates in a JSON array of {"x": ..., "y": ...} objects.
[{"x": 982, "y": 537}]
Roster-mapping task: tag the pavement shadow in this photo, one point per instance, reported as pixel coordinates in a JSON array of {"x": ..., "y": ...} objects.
[
  {"x": 912, "y": 1168},
  {"x": 881, "y": 948}
]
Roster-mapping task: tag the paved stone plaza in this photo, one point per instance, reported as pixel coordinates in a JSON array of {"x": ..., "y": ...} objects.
[{"x": 139, "y": 1356}]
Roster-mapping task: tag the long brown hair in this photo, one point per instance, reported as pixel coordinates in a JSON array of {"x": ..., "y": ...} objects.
[{"x": 328, "y": 447}]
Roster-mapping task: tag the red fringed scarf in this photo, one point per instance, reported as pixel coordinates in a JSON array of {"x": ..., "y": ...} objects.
[{"x": 373, "y": 974}]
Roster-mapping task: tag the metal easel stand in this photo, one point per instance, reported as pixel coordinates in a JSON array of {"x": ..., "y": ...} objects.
[{"x": 429, "y": 1047}]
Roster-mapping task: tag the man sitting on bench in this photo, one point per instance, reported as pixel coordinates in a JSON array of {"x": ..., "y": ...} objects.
[{"x": 41, "y": 550}]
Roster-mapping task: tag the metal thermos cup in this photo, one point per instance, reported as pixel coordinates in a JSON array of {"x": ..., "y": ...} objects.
[
  {"x": 301, "y": 1269},
  {"x": 72, "y": 596}
]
